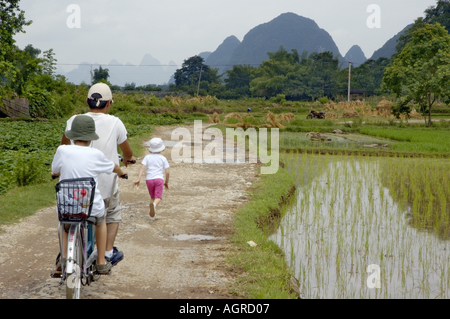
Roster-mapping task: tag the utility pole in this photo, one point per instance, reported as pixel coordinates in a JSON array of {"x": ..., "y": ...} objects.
[
  {"x": 349, "y": 78},
  {"x": 199, "y": 79}
]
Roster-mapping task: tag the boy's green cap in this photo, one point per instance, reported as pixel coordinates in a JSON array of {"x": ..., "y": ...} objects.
[{"x": 83, "y": 129}]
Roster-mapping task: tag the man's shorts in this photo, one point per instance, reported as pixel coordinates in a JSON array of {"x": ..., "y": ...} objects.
[
  {"x": 114, "y": 209},
  {"x": 155, "y": 188}
]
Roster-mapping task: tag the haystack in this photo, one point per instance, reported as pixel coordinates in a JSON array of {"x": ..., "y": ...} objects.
[
  {"x": 415, "y": 115},
  {"x": 384, "y": 108}
]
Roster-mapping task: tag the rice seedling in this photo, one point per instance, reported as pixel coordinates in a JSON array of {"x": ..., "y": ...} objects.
[{"x": 357, "y": 212}]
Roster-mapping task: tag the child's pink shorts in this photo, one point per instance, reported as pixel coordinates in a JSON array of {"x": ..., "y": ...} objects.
[{"x": 155, "y": 188}]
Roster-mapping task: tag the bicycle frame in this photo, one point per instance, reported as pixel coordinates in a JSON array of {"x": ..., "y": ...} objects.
[
  {"x": 85, "y": 233},
  {"x": 81, "y": 253}
]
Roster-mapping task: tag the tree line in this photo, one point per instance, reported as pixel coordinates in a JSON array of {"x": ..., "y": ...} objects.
[
  {"x": 419, "y": 72},
  {"x": 300, "y": 77}
]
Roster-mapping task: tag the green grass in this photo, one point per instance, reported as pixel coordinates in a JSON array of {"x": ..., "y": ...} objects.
[
  {"x": 433, "y": 141},
  {"x": 263, "y": 269},
  {"x": 21, "y": 202}
]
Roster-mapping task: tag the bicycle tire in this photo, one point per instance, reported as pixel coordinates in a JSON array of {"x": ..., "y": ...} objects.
[{"x": 74, "y": 270}]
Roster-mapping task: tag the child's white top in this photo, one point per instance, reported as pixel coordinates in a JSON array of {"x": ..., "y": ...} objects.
[
  {"x": 74, "y": 161},
  {"x": 156, "y": 164}
]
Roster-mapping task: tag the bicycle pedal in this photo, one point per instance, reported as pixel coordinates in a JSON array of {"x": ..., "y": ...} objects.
[{"x": 55, "y": 274}]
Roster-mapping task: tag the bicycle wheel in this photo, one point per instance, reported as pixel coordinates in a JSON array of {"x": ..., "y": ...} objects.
[{"x": 74, "y": 263}]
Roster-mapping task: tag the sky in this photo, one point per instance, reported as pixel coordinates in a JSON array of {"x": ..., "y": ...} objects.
[{"x": 174, "y": 30}]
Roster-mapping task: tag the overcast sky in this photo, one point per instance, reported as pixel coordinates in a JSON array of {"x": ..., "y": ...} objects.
[{"x": 178, "y": 29}]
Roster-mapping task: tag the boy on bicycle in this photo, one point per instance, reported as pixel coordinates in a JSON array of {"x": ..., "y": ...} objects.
[{"x": 81, "y": 160}]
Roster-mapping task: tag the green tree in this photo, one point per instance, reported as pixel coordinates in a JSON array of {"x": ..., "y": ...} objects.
[
  {"x": 440, "y": 13},
  {"x": 324, "y": 73},
  {"x": 194, "y": 75},
  {"x": 48, "y": 62},
  {"x": 100, "y": 74},
  {"x": 190, "y": 71},
  {"x": 12, "y": 21},
  {"x": 32, "y": 51},
  {"x": 238, "y": 80},
  {"x": 421, "y": 71},
  {"x": 368, "y": 77},
  {"x": 298, "y": 77},
  {"x": 276, "y": 75}
]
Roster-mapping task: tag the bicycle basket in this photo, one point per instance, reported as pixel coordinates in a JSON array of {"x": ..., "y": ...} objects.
[{"x": 75, "y": 198}]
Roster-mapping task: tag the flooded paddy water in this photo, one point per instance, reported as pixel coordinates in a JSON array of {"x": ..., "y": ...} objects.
[{"x": 365, "y": 228}]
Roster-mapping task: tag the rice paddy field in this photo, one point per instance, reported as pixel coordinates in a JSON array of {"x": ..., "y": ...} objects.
[{"x": 353, "y": 215}]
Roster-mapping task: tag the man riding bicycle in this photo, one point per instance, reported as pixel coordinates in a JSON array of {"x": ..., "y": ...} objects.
[
  {"x": 80, "y": 161},
  {"x": 112, "y": 133}
]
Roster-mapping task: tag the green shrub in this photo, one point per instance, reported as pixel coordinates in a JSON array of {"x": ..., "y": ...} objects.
[
  {"x": 323, "y": 100},
  {"x": 28, "y": 169}
]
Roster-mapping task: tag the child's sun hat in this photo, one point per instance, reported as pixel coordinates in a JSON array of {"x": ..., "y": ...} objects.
[
  {"x": 83, "y": 129},
  {"x": 156, "y": 145}
]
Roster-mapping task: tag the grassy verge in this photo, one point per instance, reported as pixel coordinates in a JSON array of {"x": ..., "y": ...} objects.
[
  {"x": 22, "y": 202},
  {"x": 262, "y": 270}
]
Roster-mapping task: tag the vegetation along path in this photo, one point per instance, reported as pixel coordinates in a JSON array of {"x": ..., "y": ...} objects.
[{"x": 180, "y": 255}]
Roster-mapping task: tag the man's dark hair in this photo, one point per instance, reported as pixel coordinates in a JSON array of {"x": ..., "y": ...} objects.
[{"x": 93, "y": 104}]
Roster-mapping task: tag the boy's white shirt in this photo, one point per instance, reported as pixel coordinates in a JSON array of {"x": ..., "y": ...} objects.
[
  {"x": 112, "y": 132},
  {"x": 156, "y": 164},
  {"x": 74, "y": 161}
]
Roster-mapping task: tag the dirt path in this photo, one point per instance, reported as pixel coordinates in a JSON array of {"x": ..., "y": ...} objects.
[{"x": 163, "y": 259}]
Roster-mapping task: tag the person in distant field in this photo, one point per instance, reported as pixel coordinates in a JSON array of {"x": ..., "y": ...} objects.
[
  {"x": 112, "y": 133},
  {"x": 80, "y": 160},
  {"x": 249, "y": 110},
  {"x": 156, "y": 166}
]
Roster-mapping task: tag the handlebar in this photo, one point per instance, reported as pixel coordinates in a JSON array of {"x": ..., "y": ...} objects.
[{"x": 130, "y": 162}]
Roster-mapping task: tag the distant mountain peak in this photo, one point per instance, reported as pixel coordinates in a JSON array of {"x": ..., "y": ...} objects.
[
  {"x": 356, "y": 55},
  {"x": 289, "y": 30},
  {"x": 220, "y": 58},
  {"x": 389, "y": 48}
]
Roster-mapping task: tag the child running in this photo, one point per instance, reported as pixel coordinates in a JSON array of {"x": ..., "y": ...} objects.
[
  {"x": 78, "y": 161},
  {"x": 156, "y": 165}
]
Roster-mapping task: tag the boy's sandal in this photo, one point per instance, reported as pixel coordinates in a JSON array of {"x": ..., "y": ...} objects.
[{"x": 103, "y": 269}]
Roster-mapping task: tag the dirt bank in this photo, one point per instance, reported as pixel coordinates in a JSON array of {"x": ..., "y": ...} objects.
[{"x": 180, "y": 255}]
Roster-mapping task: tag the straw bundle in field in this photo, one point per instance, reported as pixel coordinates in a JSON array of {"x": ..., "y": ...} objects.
[
  {"x": 332, "y": 116},
  {"x": 273, "y": 121},
  {"x": 384, "y": 108},
  {"x": 176, "y": 100},
  {"x": 232, "y": 115},
  {"x": 350, "y": 114},
  {"x": 216, "y": 118},
  {"x": 415, "y": 115}
]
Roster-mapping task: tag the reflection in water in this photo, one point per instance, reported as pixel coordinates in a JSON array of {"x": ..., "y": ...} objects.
[{"x": 343, "y": 221}]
